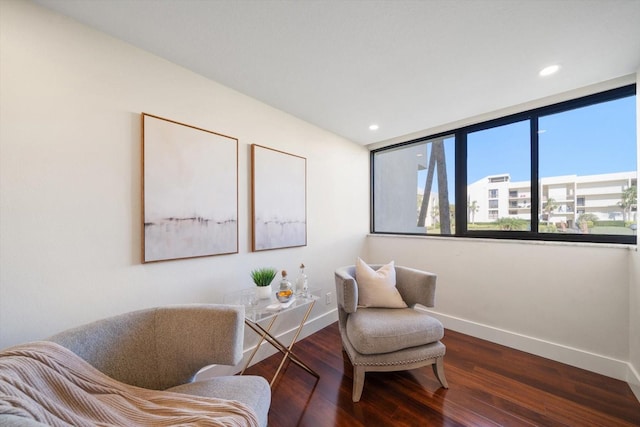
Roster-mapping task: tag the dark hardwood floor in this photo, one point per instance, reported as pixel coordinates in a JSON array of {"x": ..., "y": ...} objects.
[{"x": 489, "y": 385}]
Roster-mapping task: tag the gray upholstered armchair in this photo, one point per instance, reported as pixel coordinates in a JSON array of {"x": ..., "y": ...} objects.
[
  {"x": 163, "y": 348},
  {"x": 390, "y": 339}
]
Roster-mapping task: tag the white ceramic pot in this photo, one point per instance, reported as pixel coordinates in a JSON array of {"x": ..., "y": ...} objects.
[{"x": 263, "y": 292}]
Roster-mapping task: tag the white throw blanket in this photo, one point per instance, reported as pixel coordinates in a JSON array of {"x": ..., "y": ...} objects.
[{"x": 48, "y": 383}]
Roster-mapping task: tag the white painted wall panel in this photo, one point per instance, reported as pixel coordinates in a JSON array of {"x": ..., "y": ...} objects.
[
  {"x": 71, "y": 190},
  {"x": 560, "y": 296}
]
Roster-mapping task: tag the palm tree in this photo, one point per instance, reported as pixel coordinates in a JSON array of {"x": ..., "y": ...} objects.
[
  {"x": 473, "y": 208},
  {"x": 422, "y": 215},
  {"x": 443, "y": 186},
  {"x": 549, "y": 207},
  {"x": 629, "y": 201}
]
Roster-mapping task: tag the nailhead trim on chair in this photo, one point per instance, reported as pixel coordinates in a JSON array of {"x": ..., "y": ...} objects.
[{"x": 399, "y": 363}]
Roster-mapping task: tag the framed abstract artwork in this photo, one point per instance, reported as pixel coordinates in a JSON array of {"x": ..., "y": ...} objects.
[
  {"x": 190, "y": 191},
  {"x": 278, "y": 199}
]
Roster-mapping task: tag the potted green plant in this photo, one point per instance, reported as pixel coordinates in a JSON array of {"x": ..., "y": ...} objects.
[{"x": 263, "y": 277}]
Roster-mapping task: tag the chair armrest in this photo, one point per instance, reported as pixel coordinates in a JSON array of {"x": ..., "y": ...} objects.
[
  {"x": 346, "y": 289},
  {"x": 416, "y": 286}
]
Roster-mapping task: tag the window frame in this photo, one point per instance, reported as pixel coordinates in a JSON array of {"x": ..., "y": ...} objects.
[{"x": 533, "y": 116}]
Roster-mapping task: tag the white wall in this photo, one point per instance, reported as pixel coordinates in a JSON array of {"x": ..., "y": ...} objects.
[
  {"x": 634, "y": 299},
  {"x": 395, "y": 173},
  {"x": 562, "y": 301},
  {"x": 70, "y": 179},
  {"x": 634, "y": 324}
]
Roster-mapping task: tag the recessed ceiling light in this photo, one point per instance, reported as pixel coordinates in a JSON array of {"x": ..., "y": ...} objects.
[
  {"x": 374, "y": 127},
  {"x": 547, "y": 71}
]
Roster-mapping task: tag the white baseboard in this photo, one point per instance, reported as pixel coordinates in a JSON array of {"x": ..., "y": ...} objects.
[
  {"x": 311, "y": 326},
  {"x": 633, "y": 379},
  {"x": 593, "y": 362}
]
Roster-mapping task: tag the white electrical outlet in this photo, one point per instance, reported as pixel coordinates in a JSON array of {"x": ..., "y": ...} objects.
[{"x": 327, "y": 298}]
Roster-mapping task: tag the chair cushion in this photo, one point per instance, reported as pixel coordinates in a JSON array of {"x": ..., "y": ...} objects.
[
  {"x": 383, "y": 330},
  {"x": 248, "y": 389},
  {"x": 377, "y": 288}
]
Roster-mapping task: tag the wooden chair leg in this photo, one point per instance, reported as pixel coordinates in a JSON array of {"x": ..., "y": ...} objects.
[
  {"x": 358, "y": 383},
  {"x": 438, "y": 370}
]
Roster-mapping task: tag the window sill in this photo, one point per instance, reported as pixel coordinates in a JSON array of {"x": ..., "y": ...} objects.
[{"x": 506, "y": 241}]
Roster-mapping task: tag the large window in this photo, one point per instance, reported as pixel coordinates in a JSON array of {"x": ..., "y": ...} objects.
[{"x": 580, "y": 154}]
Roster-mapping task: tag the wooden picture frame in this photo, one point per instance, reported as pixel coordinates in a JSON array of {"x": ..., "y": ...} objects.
[
  {"x": 278, "y": 199},
  {"x": 190, "y": 191}
]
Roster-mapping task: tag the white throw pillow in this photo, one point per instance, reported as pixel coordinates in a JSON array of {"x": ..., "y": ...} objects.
[{"x": 377, "y": 288}]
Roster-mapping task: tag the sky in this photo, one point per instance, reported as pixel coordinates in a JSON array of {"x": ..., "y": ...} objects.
[{"x": 591, "y": 140}]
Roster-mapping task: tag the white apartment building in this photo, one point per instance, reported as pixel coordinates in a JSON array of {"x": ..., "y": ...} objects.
[{"x": 496, "y": 196}]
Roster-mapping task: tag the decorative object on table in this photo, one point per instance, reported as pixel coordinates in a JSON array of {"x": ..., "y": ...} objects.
[
  {"x": 302, "y": 285},
  {"x": 263, "y": 277},
  {"x": 278, "y": 199},
  {"x": 280, "y": 305},
  {"x": 285, "y": 292},
  {"x": 190, "y": 191},
  {"x": 248, "y": 298}
]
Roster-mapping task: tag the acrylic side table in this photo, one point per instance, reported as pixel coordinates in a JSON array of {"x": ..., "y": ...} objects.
[{"x": 268, "y": 310}]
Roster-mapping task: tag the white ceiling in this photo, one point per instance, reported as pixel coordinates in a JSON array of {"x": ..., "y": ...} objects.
[{"x": 405, "y": 65}]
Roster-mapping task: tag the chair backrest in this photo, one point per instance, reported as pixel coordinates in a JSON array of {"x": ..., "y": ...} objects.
[
  {"x": 160, "y": 347},
  {"x": 415, "y": 287}
]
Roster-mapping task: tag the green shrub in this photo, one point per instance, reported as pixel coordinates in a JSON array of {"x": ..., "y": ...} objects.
[
  {"x": 512, "y": 224},
  {"x": 610, "y": 224}
]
